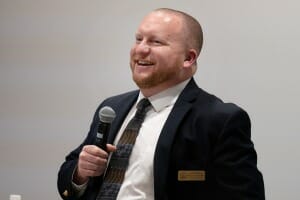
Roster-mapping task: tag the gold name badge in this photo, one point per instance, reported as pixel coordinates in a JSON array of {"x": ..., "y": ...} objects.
[{"x": 191, "y": 175}]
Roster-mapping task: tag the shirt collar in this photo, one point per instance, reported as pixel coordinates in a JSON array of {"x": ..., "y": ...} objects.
[{"x": 165, "y": 98}]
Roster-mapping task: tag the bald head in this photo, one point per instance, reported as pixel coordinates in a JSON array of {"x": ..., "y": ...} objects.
[{"x": 191, "y": 28}]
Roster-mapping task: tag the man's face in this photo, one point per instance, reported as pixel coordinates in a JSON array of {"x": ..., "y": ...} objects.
[{"x": 157, "y": 57}]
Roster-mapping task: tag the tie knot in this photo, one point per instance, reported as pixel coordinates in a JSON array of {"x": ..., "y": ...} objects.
[{"x": 143, "y": 105}]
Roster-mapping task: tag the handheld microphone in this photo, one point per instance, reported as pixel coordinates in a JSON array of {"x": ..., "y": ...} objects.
[{"x": 106, "y": 115}]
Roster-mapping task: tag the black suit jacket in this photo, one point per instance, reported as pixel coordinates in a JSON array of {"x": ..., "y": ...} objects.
[{"x": 204, "y": 150}]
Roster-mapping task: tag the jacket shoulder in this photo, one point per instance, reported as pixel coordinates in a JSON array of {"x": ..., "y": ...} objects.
[{"x": 215, "y": 105}]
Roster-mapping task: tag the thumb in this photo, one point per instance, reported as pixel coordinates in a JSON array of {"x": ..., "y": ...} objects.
[{"x": 111, "y": 148}]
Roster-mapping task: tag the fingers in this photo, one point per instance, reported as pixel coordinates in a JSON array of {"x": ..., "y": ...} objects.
[
  {"x": 92, "y": 162},
  {"x": 86, "y": 170},
  {"x": 92, "y": 166},
  {"x": 93, "y": 151}
]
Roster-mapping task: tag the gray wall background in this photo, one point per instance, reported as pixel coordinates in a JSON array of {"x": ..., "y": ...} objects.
[{"x": 60, "y": 59}]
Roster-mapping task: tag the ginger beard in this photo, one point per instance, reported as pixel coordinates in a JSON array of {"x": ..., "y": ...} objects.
[{"x": 150, "y": 76}]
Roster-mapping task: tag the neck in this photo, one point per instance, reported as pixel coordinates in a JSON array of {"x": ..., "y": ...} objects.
[{"x": 148, "y": 92}]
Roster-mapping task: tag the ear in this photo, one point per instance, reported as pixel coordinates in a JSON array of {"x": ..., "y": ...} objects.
[{"x": 190, "y": 58}]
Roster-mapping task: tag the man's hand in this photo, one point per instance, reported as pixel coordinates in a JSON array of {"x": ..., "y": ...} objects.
[{"x": 92, "y": 162}]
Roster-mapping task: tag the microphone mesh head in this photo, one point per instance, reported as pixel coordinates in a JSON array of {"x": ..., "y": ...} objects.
[{"x": 107, "y": 114}]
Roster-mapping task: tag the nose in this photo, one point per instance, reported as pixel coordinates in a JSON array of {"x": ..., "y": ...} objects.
[{"x": 142, "y": 48}]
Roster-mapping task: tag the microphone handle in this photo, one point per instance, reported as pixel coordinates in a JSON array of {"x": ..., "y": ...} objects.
[{"x": 102, "y": 134}]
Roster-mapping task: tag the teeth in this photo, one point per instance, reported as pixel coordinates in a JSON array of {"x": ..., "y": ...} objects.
[{"x": 144, "y": 62}]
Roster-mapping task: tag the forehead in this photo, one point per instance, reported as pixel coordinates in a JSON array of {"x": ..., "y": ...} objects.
[{"x": 161, "y": 22}]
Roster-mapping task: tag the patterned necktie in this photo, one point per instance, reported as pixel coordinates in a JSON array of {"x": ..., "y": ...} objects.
[{"x": 119, "y": 160}]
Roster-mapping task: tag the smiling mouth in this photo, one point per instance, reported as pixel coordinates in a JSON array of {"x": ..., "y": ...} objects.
[{"x": 144, "y": 63}]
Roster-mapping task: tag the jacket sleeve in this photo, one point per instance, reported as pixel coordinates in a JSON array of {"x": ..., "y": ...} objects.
[
  {"x": 235, "y": 160},
  {"x": 64, "y": 181}
]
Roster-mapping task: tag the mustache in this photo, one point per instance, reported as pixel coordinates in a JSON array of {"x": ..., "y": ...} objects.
[{"x": 143, "y": 59}]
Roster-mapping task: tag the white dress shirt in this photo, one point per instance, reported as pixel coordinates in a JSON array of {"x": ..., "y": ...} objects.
[{"x": 138, "y": 183}]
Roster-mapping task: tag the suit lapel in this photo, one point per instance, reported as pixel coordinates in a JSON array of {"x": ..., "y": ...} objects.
[
  {"x": 163, "y": 148},
  {"x": 121, "y": 108}
]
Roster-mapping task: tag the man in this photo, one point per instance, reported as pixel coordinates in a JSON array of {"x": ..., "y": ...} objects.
[{"x": 191, "y": 145}]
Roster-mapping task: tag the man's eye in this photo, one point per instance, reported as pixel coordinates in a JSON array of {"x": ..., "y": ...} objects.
[
  {"x": 138, "y": 40},
  {"x": 157, "y": 42}
]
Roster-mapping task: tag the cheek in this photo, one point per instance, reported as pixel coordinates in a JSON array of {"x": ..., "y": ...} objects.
[
  {"x": 132, "y": 51},
  {"x": 165, "y": 59}
]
